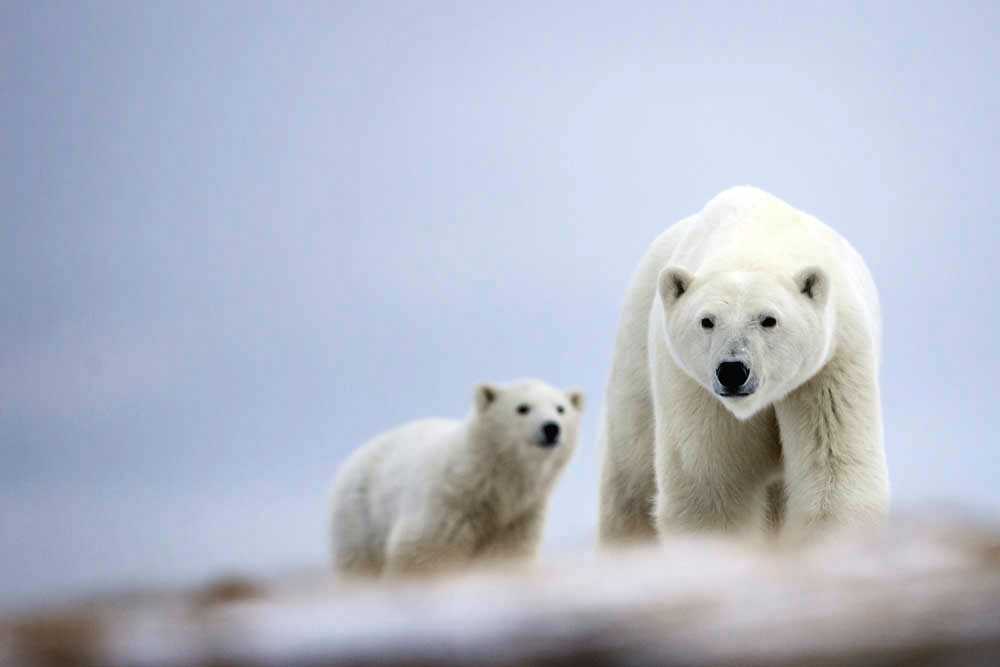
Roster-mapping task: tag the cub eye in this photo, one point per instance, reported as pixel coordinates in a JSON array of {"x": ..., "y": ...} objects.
[
  {"x": 707, "y": 323},
  {"x": 560, "y": 409},
  {"x": 523, "y": 409},
  {"x": 768, "y": 322}
]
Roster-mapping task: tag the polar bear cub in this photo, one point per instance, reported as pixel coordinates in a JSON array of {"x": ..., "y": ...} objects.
[
  {"x": 744, "y": 391},
  {"x": 439, "y": 492}
]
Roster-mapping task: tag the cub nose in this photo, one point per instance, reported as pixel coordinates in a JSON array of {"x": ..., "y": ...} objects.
[
  {"x": 551, "y": 432},
  {"x": 732, "y": 374}
]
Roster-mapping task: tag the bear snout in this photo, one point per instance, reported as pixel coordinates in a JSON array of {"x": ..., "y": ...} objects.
[
  {"x": 550, "y": 434},
  {"x": 733, "y": 379}
]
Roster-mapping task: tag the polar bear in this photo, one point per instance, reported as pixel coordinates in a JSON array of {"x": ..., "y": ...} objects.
[
  {"x": 744, "y": 393},
  {"x": 439, "y": 492}
]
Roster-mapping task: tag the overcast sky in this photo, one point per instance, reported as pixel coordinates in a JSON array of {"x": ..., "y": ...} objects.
[{"x": 239, "y": 239}]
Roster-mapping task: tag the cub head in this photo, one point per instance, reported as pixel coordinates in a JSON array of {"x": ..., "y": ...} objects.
[
  {"x": 748, "y": 337},
  {"x": 528, "y": 419}
]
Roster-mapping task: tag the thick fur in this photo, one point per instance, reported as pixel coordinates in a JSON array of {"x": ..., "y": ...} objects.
[
  {"x": 805, "y": 448},
  {"x": 437, "y": 492}
]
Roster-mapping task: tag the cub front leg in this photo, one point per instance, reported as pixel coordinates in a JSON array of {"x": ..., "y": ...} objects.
[
  {"x": 417, "y": 548},
  {"x": 831, "y": 433},
  {"x": 518, "y": 539}
]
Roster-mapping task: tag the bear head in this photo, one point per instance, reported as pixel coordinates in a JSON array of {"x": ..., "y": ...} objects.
[
  {"x": 748, "y": 337},
  {"x": 528, "y": 421}
]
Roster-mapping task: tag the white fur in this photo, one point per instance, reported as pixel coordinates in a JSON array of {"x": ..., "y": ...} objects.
[
  {"x": 806, "y": 447},
  {"x": 439, "y": 492}
]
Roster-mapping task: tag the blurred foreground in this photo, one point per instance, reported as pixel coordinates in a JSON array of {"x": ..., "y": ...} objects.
[{"x": 917, "y": 594}]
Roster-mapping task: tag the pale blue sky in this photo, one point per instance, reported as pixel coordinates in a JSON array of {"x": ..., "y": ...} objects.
[{"x": 239, "y": 239}]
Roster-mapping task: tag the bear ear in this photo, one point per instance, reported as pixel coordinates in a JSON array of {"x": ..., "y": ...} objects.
[
  {"x": 813, "y": 283},
  {"x": 485, "y": 395},
  {"x": 674, "y": 282},
  {"x": 576, "y": 399}
]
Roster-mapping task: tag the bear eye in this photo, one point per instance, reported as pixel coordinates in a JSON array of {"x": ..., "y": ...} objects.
[
  {"x": 768, "y": 322},
  {"x": 523, "y": 409},
  {"x": 707, "y": 323},
  {"x": 560, "y": 409}
]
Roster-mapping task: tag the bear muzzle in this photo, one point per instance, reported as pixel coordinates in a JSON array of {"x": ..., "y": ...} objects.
[
  {"x": 733, "y": 379},
  {"x": 549, "y": 434}
]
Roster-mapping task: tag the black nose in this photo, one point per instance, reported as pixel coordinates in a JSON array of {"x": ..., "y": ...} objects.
[
  {"x": 732, "y": 374},
  {"x": 551, "y": 432}
]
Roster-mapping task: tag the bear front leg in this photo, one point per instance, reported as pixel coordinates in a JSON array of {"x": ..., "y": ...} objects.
[
  {"x": 831, "y": 434},
  {"x": 711, "y": 468},
  {"x": 628, "y": 480},
  {"x": 628, "y": 490},
  {"x": 714, "y": 500}
]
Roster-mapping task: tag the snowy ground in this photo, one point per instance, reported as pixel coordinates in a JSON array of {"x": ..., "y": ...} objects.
[{"x": 927, "y": 592}]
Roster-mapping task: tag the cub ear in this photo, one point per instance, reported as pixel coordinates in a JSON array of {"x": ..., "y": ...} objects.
[
  {"x": 813, "y": 283},
  {"x": 485, "y": 395},
  {"x": 576, "y": 399},
  {"x": 674, "y": 282}
]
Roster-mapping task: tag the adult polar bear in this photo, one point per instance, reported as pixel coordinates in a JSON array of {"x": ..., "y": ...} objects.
[{"x": 744, "y": 389}]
